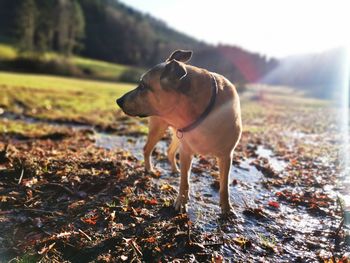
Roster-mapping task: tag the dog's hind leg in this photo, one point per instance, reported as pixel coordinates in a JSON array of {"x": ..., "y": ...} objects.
[
  {"x": 157, "y": 128},
  {"x": 172, "y": 150},
  {"x": 225, "y": 166}
]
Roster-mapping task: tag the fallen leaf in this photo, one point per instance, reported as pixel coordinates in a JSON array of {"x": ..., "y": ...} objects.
[
  {"x": 242, "y": 241},
  {"x": 151, "y": 201},
  {"x": 166, "y": 187},
  {"x": 274, "y": 204},
  {"x": 217, "y": 258},
  {"x": 91, "y": 220},
  {"x": 151, "y": 240}
]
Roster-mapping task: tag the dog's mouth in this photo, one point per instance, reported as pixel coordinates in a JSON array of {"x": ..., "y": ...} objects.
[{"x": 131, "y": 114}]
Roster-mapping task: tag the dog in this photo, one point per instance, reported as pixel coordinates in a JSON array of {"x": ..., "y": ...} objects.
[{"x": 202, "y": 107}]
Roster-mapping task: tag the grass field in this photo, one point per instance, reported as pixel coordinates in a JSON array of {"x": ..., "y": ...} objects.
[{"x": 58, "y": 98}]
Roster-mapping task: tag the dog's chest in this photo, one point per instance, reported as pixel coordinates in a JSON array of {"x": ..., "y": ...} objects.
[
  {"x": 214, "y": 137},
  {"x": 205, "y": 144},
  {"x": 199, "y": 145}
]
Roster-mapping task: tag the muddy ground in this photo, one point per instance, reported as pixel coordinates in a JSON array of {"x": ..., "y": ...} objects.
[{"x": 80, "y": 194}]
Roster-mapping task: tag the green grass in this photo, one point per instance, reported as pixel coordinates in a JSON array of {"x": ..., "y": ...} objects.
[
  {"x": 91, "y": 67},
  {"x": 59, "y": 98},
  {"x": 46, "y": 82},
  {"x": 26, "y": 258},
  {"x": 101, "y": 68}
]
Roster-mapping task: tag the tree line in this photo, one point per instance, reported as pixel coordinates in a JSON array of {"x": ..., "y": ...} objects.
[
  {"x": 44, "y": 25},
  {"x": 111, "y": 31}
]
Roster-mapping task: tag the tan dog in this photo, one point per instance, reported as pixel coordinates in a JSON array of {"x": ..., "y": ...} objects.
[{"x": 204, "y": 109}]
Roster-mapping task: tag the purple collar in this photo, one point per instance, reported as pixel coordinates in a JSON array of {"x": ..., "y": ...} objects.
[{"x": 208, "y": 109}]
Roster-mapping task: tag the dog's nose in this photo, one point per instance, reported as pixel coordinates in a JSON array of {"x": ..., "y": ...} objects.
[{"x": 120, "y": 102}]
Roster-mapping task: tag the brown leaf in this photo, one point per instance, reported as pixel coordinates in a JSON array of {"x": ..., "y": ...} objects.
[{"x": 91, "y": 220}]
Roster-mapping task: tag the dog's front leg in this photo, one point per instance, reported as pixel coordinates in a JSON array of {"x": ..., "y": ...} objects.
[
  {"x": 225, "y": 166},
  {"x": 174, "y": 145},
  {"x": 157, "y": 128},
  {"x": 185, "y": 168}
]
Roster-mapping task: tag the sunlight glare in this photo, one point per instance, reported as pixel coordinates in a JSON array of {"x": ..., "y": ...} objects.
[{"x": 345, "y": 126}]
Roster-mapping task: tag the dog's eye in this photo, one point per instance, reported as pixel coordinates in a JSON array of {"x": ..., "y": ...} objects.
[{"x": 142, "y": 87}]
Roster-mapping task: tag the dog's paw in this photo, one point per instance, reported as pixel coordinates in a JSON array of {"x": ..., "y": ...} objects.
[
  {"x": 232, "y": 215},
  {"x": 226, "y": 209},
  {"x": 149, "y": 168},
  {"x": 149, "y": 171},
  {"x": 175, "y": 170},
  {"x": 180, "y": 203}
]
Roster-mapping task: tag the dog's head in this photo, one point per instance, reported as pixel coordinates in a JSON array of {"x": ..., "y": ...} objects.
[{"x": 159, "y": 88}]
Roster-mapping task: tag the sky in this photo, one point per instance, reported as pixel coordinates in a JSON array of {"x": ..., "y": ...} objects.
[{"x": 276, "y": 28}]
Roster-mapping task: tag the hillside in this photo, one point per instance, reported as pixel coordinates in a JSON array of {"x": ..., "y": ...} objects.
[
  {"x": 118, "y": 33},
  {"x": 111, "y": 31}
]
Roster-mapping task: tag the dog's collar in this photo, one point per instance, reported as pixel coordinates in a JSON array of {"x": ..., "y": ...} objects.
[{"x": 208, "y": 109}]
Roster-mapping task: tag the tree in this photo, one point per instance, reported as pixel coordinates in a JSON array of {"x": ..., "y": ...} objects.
[
  {"x": 70, "y": 26},
  {"x": 26, "y": 23},
  {"x": 45, "y": 26},
  {"x": 76, "y": 27}
]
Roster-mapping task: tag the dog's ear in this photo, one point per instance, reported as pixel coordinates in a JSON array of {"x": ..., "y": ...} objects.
[
  {"x": 173, "y": 72},
  {"x": 180, "y": 55}
]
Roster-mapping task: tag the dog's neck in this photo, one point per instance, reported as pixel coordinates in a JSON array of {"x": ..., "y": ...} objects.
[{"x": 194, "y": 97}]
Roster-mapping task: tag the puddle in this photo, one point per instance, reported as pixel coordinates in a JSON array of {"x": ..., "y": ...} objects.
[
  {"x": 127, "y": 143},
  {"x": 248, "y": 177},
  {"x": 277, "y": 164}
]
